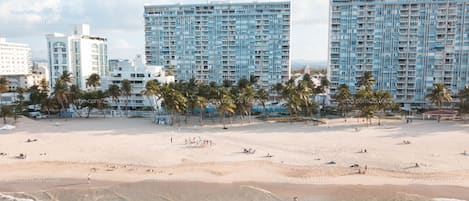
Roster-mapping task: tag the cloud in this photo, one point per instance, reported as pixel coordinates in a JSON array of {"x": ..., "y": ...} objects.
[{"x": 28, "y": 12}]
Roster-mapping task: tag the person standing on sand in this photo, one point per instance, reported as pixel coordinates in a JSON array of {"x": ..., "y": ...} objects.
[{"x": 89, "y": 178}]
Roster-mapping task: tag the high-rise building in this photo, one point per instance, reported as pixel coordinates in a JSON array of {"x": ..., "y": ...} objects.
[
  {"x": 79, "y": 53},
  {"x": 220, "y": 41},
  {"x": 408, "y": 45},
  {"x": 15, "y": 58}
]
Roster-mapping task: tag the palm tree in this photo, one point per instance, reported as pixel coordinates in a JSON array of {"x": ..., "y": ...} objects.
[
  {"x": 464, "y": 100},
  {"x": 262, "y": 95},
  {"x": 321, "y": 89},
  {"x": 365, "y": 102},
  {"x": 172, "y": 100},
  {"x": 201, "y": 103},
  {"x": 126, "y": 90},
  {"x": 289, "y": 93},
  {"x": 225, "y": 104},
  {"x": 152, "y": 89},
  {"x": 20, "y": 101},
  {"x": 66, "y": 77},
  {"x": 367, "y": 80},
  {"x": 93, "y": 81},
  {"x": 189, "y": 90},
  {"x": 246, "y": 97},
  {"x": 6, "y": 111},
  {"x": 61, "y": 94},
  {"x": 3, "y": 87},
  {"x": 304, "y": 92},
  {"x": 383, "y": 100},
  {"x": 439, "y": 95},
  {"x": 48, "y": 103},
  {"x": 114, "y": 92},
  {"x": 343, "y": 97},
  {"x": 74, "y": 95},
  {"x": 101, "y": 103}
]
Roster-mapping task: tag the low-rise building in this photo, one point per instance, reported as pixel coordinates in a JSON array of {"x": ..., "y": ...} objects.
[{"x": 138, "y": 74}]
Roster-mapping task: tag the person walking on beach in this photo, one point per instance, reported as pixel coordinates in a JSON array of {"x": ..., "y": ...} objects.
[{"x": 89, "y": 178}]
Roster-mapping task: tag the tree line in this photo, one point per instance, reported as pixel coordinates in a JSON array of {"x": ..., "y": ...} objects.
[{"x": 181, "y": 99}]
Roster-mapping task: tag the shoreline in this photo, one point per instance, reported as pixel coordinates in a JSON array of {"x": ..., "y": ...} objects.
[
  {"x": 228, "y": 172},
  {"x": 60, "y": 189}
]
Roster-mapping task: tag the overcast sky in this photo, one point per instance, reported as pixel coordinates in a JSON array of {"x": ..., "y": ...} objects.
[{"x": 121, "y": 21}]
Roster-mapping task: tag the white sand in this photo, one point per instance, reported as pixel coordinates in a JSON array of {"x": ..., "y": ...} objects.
[{"x": 135, "y": 150}]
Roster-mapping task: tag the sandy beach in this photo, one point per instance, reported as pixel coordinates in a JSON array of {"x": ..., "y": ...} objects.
[{"x": 119, "y": 151}]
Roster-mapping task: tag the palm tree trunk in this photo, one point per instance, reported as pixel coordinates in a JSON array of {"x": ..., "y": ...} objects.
[
  {"x": 89, "y": 111},
  {"x": 127, "y": 107},
  {"x": 201, "y": 116},
  {"x": 223, "y": 120}
]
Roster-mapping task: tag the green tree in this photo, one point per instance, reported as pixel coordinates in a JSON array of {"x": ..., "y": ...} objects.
[
  {"x": 439, "y": 94},
  {"x": 19, "y": 101},
  {"x": 343, "y": 97},
  {"x": 225, "y": 104},
  {"x": 262, "y": 96},
  {"x": 290, "y": 95},
  {"x": 322, "y": 89},
  {"x": 66, "y": 77},
  {"x": 367, "y": 80},
  {"x": 74, "y": 95},
  {"x": 3, "y": 88},
  {"x": 304, "y": 92},
  {"x": 114, "y": 92},
  {"x": 383, "y": 101},
  {"x": 152, "y": 90},
  {"x": 365, "y": 102},
  {"x": 93, "y": 81},
  {"x": 464, "y": 101},
  {"x": 172, "y": 100},
  {"x": 126, "y": 90},
  {"x": 6, "y": 111},
  {"x": 48, "y": 104},
  {"x": 93, "y": 100},
  {"x": 201, "y": 103},
  {"x": 61, "y": 94}
]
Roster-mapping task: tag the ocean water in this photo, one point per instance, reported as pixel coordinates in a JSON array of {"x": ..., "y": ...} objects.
[{"x": 4, "y": 197}]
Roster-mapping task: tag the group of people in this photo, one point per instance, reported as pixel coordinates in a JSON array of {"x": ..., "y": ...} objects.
[
  {"x": 31, "y": 140},
  {"x": 406, "y": 142},
  {"x": 21, "y": 156},
  {"x": 409, "y": 120},
  {"x": 249, "y": 151},
  {"x": 360, "y": 171},
  {"x": 198, "y": 141}
]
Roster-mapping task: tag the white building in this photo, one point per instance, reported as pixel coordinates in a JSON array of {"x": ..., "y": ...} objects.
[
  {"x": 15, "y": 58},
  {"x": 79, "y": 53},
  {"x": 138, "y": 74}
]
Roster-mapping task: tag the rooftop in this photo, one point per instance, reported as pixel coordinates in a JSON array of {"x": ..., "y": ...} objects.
[{"x": 217, "y": 3}]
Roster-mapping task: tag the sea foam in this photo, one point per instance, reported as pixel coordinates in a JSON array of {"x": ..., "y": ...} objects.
[
  {"x": 446, "y": 199},
  {"x": 4, "y": 197}
]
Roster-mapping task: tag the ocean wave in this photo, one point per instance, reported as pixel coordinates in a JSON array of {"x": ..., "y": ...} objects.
[
  {"x": 446, "y": 199},
  {"x": 4, "y": 197}
]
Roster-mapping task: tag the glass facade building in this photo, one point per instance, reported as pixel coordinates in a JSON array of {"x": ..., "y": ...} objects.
[
  {"x": 408, "y": 45},
  {"x": 220, "y": 41}
]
